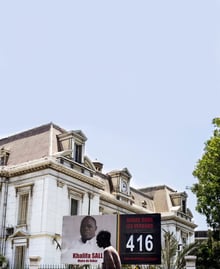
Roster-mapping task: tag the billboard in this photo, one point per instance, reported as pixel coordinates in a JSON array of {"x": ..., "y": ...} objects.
[
  {"x": 136, "y": 237},
  {"x": 79, "y": 238},
  {"x": 140, "y": 239}
]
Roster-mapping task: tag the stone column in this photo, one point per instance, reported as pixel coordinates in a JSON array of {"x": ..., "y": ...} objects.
[
  {"x": 190, "y": 262},
  {"x": 34, "y": 262}
]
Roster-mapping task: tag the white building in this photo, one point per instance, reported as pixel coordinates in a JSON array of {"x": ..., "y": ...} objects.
[{"x": 45, "y": 175}]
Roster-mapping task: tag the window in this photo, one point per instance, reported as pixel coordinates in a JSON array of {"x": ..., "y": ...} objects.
[
  {"x": 75, "y": 196},
  {"x": 184, "y": 206},
  {"x": 184, "y": 240},
  {"x": 19, "y": 257},
  {"x": 72, "y": 144},
  {"x": 23, "y": 194},
  {"x": 2, "y": 160},
  {"x": 23, "y": 208},
  {"x": 4, "y": 155},
  {"x": 73, "y": 207},
  {"x": 78, "y": 153}
]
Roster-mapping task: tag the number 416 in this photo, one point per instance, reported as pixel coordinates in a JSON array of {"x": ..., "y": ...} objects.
[{"x": 143, "y": 243}]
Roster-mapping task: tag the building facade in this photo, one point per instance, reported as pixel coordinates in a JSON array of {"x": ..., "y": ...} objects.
[{"x": 45, "y": 175}]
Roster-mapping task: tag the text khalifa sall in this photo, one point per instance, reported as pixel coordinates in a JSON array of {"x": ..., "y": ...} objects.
[{"x": 87, "y": 257}]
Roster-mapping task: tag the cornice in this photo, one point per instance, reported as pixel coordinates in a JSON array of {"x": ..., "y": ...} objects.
[
  {"x": 46, "y": 163},
  {"x": 138, "y": 210},
  {"x": 104, "y": 196},
  {"x": 174, "y": 217}
]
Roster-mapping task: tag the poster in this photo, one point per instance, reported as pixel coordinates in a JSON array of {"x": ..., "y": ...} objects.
[
  {"x": 136, "y": 237},
  {"x": 78, "y": 250}
]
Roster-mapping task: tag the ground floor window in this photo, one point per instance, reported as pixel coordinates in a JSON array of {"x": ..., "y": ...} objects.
[{"x": 19, "y": 261}]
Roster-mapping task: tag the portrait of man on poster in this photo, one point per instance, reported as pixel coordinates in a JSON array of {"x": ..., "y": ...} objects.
[
  {"x": 87, "y": 238},
  {"x": 79, "y": 238}
]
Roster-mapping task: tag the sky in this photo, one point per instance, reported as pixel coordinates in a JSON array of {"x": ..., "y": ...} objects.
[{"x": 139, "y": 78}]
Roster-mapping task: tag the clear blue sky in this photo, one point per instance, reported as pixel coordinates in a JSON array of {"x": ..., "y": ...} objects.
[{"x": 139, "y": 78}]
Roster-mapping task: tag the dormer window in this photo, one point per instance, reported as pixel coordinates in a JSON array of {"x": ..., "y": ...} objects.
[
  {"x": 77, "y": 153},
  {"x": 183, "y": 206},
  {"x": 179, "y": 199},
  {"x": 144, "y": 204},
  {"x": 4, "y": 155},
  {"x": 72, "y": 144},
  {"x": 1, "y": 161}
]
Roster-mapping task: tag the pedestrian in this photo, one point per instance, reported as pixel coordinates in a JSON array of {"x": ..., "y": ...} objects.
[{"x": 111, "y": 259}]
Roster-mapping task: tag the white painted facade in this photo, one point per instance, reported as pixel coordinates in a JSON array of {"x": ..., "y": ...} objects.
[{"x": 51, "y": 182}]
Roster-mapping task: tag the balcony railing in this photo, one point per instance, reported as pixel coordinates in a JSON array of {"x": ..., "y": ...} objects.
[
  {"x": 184, "y": 216},
  {"x": 75, "y": 165}
]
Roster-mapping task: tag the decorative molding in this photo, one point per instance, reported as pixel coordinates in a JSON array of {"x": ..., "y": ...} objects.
[
  {"x": 101, "y": 209},
  {"x": 49, "y": 163},
  {"x": 174, "y": 217},
  {"x": 19, "y": 238},
  {"x": 24, "y": 188},
  {"x": 60, "y": 183},
  {"x": 112, "y": 200},
  {"x": 34, "y": 261},
  {"x": 91, "y": 195},
  {"x": 77, "y": 193}
]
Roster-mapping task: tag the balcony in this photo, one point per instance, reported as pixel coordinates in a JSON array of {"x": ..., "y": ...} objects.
[{"x": 75, "y": 165}]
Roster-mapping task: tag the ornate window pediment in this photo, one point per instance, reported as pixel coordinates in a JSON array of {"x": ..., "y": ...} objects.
[
  {"x": 19, "y": 238},
  {"x": 19, "y": 234},
  {"x": 75, "y": 193},
  {"x": 24, "y": 189},
  {"x": 75, "y": 196}
]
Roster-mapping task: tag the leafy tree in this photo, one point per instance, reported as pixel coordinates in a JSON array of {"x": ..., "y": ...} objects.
[
  {"x": 208, "y": 254},
  {"x": 207, "y": 171}
]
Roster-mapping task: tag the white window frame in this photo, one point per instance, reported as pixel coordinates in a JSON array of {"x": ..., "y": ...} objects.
[
  {"x": 20, "y": 256},
  {"x": 23, "y": 190},
  {"x": 76, "y": 194}
]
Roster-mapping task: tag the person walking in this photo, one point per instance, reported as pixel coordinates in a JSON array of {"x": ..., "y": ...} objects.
[{"x": 111, "y": 259}]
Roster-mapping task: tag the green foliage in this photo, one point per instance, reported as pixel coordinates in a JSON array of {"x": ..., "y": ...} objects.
[
  {"x": 2, "y": 260},
  {"x": 169, "y": 250},
  {"x": 208, "y": 254},
  {"x": 207, "y": 171}
]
